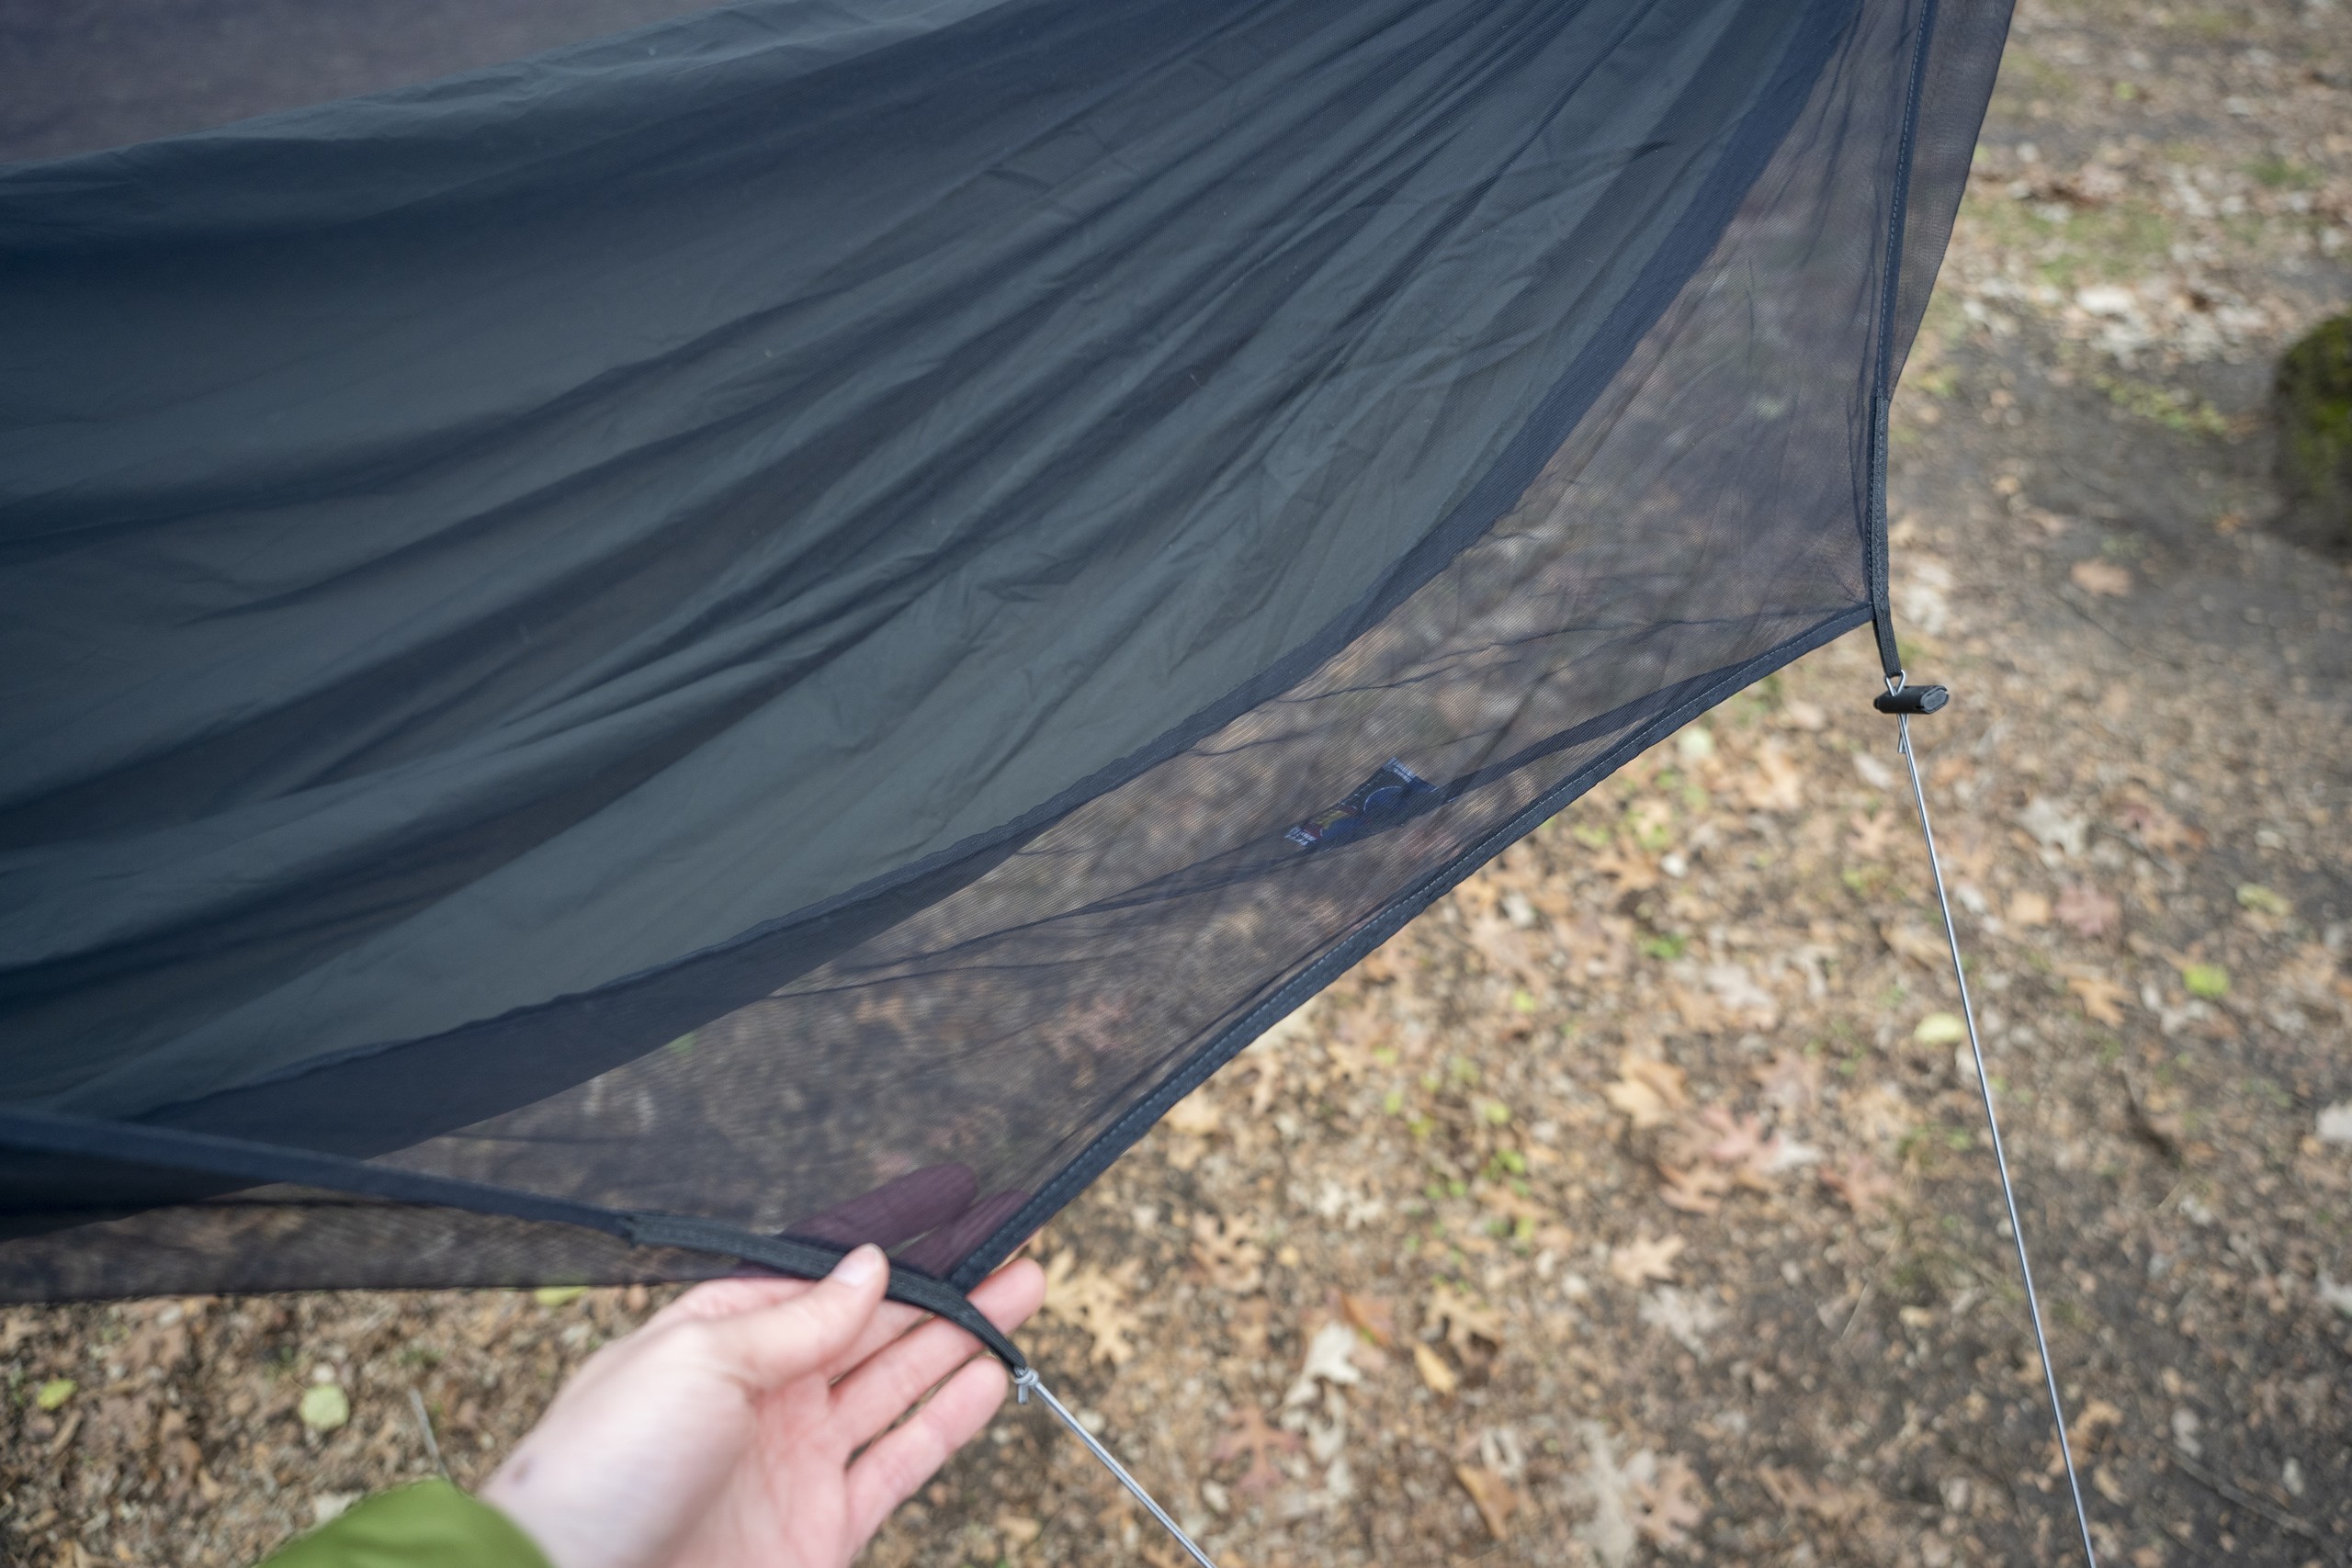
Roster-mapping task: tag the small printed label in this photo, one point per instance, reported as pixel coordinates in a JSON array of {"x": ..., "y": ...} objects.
[{"x": 1389, "y": 797}]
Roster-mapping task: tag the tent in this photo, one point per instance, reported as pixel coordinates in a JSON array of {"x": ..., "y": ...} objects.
[{"x": 778, "y": 630}]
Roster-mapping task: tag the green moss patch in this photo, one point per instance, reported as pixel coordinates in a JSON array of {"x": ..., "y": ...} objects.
[{"x": 2313, "y": 402}]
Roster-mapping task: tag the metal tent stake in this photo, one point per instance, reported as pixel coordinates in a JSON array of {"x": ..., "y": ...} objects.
[
  {"x": 1903, "y": 702},
  {"x": 1025, "y": 1383}
]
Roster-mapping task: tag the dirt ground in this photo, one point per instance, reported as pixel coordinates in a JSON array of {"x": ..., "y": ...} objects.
[{"x": 1635, "y": 1204}]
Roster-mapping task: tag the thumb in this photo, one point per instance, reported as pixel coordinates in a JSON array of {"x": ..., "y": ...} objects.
[{"x": 770, "y": 1346}]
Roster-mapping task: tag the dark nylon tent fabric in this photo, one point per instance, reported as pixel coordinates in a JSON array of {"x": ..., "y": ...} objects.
[{"x": 793, "y": 622}]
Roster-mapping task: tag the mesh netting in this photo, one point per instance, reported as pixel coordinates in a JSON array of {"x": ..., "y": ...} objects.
[{"x": 805, "y": 616}]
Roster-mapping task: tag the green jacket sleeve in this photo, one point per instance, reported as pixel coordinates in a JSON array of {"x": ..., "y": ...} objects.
[{"x": 428, "y": 1525}]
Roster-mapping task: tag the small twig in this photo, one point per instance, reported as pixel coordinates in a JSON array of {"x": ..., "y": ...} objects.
[
  {"x": 425, "y": 1425},
  {"x": 2245, "y": 1499},
  {"x": 2120, "y": 641},
  {"x": 1860, "y": 1301}
]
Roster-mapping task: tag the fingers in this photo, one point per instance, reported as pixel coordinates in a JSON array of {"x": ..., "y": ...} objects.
[
  {"x": 893, "y": 1320},
  {"x": 874, "y": 1396},
  {"x": 896, "y": 1318},
  {"x": 887, "y": 1473},
  {"x": 725, "y": 1298},
  {"x": 809, "y": 1331}
]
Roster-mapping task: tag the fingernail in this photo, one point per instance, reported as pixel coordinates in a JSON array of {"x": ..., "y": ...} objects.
[{"x": 863, "y": 1264}]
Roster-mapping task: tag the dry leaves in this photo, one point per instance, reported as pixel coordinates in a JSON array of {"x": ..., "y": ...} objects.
[
  {"x": 1738, "y": 1141},
  {"x": 1777, "y": 784},
  {"x": 1229, "y": 1255},
  {"x": 2157, "y": 831},
  {"x": 1464, "y": 1316},
  {"x": 1191, "y": 1121},
  {"x": 1647, "y": 1091},
  {"x": 1791, "y": 1080},
  {"x": 1375, "y": 1316},
  {"x": 1697, "y": 1189},
  {"x": 2085, "y": 1431},
  {"x": 1262, "y": 1065},
  {"x": 2085, "y": 910},
  {"x": 1664, "y": 1506},
  {"x": 1491, "y": 1496},
  {"x": 1858, "y": 1184},
  {"x": 1880, "y": 1115},
  {"x": 1089, "y": 1299},
  {"x": 1919, "y": 946},
  {"x": 2103, "y": 577},
  {"x": 1330, "y": 1358},
  {"x": 1436, "y": 1375},
  {"x": 2027, "y": 910},
  {"x": 2102, "y": 998},
  {"x": 1873, "y": 835},
  {"x": 1795, "y": 1494},
  {"x": 1249, "y": 1432},
  {"x": 1195, "y": 1115},
  {"x": 1638, "y": 1263},
  {"x": 1753, "y": 1156},
  {"x": 1629, "y": 871},
  {"x": 2058, "y": 830}
]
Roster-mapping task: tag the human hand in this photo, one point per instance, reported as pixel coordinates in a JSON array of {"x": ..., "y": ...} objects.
[{"x": 721, "y": 1433}]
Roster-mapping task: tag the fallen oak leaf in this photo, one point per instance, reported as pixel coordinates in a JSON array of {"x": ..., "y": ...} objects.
[
  {"x": 1647, "y": 1091},
  {"x": 2085, "y": 910},
  {"x": 1491, "y": 1496},
  {"x": 1777, "y": 784},
  {"x": 1249, "y": 1432},
  {"x": 1639, "y": 1262},
  {"x": 1631, "y": 870},
  {"x": 1791, "y": 1080},
  {"x": 1909, "y": 942},
  {"x": 1510, "y": 1203},
  {"x": 2156, "y": 829},
  {"x": 1790, "y": 1489},
  {"x": 1872, "y": 836},
  {"x": 1096, "y": 1302},
  {"x": 1228, "y": 1253},
  {"x": 1698, "y": 1189},
  {"x": 1738, "y": 1138},
  {"x": 1755, "y": 1157},
  {"x": 2085, "y": 1431},
  {"x": 1465, "y": 1317},
  {"x": 1858, "y": 1184},
  {"x": 2102, "y": 998},
  {"x": 1374, "y": 1316},
  {"x": 1330, "y": 1358},
  {"x": 1664, "y": 1508},
  {"x": 1436, "y": 1375},
  {"x": 2058, "y": 830}
]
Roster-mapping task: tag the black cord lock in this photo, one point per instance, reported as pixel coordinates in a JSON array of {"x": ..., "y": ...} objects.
[{"x": 1911, "y": 699}]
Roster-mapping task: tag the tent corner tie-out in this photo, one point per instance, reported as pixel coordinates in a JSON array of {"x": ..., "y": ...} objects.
[{"x": 1906, "y": 701}]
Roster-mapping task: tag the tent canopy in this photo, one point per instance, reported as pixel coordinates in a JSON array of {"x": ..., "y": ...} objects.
[{"x": 793, "y": 621}]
